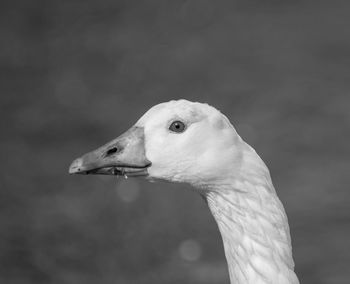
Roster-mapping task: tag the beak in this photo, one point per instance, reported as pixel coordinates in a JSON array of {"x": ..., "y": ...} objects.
[{"x": 124, "y": 155}]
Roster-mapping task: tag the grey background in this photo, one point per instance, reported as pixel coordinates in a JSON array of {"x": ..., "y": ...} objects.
[{"x": 75, "y": 74}]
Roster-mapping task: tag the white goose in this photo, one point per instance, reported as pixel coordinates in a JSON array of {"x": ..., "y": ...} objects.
[{"x": 182, "y": 141}]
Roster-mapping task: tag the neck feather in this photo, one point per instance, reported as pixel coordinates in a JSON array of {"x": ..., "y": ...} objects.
[{"x": 253, "y": 226}]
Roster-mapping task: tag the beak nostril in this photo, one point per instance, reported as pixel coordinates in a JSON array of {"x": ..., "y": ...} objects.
[{"x": 112, "y": 151}]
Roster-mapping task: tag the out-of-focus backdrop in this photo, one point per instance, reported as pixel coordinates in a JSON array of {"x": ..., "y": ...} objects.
[{"x": 75, "y": 74}]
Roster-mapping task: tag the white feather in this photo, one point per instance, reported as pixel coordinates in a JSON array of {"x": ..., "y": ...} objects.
[{"x": 212, "y": 157}]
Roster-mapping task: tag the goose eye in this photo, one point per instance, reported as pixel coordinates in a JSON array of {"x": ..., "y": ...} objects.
[{"x": 177, "y": 126}]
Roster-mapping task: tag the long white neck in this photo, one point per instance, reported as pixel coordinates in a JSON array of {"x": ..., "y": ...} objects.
[{"x": 253, "y": 226}]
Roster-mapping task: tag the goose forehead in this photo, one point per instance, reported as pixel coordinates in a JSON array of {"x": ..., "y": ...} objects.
[{"x": 180, "y": 109}]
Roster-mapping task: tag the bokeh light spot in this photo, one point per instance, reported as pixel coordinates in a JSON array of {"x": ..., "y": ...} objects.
[
  {"x": 128, "y": 190},
  {"x": 190, "y": 250}
]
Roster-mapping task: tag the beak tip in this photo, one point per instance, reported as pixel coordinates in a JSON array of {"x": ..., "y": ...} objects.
[{"x": 76, "y": 166}]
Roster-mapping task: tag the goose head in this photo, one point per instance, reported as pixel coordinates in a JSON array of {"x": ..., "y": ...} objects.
[
  {"x": 177, "y": 141},
  {"x": 182, "y": 141}
]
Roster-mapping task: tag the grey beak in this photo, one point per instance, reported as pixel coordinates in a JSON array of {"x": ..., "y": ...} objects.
[{"x": 124, "y": 155}]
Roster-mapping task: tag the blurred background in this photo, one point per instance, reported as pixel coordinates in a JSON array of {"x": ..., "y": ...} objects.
[{"x": 75, "y": 74}]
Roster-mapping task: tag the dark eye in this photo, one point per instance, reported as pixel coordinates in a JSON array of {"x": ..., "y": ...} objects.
[{"x": 177, "y": 126}]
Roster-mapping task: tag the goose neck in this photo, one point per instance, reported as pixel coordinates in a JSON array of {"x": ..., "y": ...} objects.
[{"x": 255, "y": 232}]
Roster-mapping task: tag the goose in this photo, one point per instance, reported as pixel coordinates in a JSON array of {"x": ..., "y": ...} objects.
[{"x": 194, "y": 143}]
